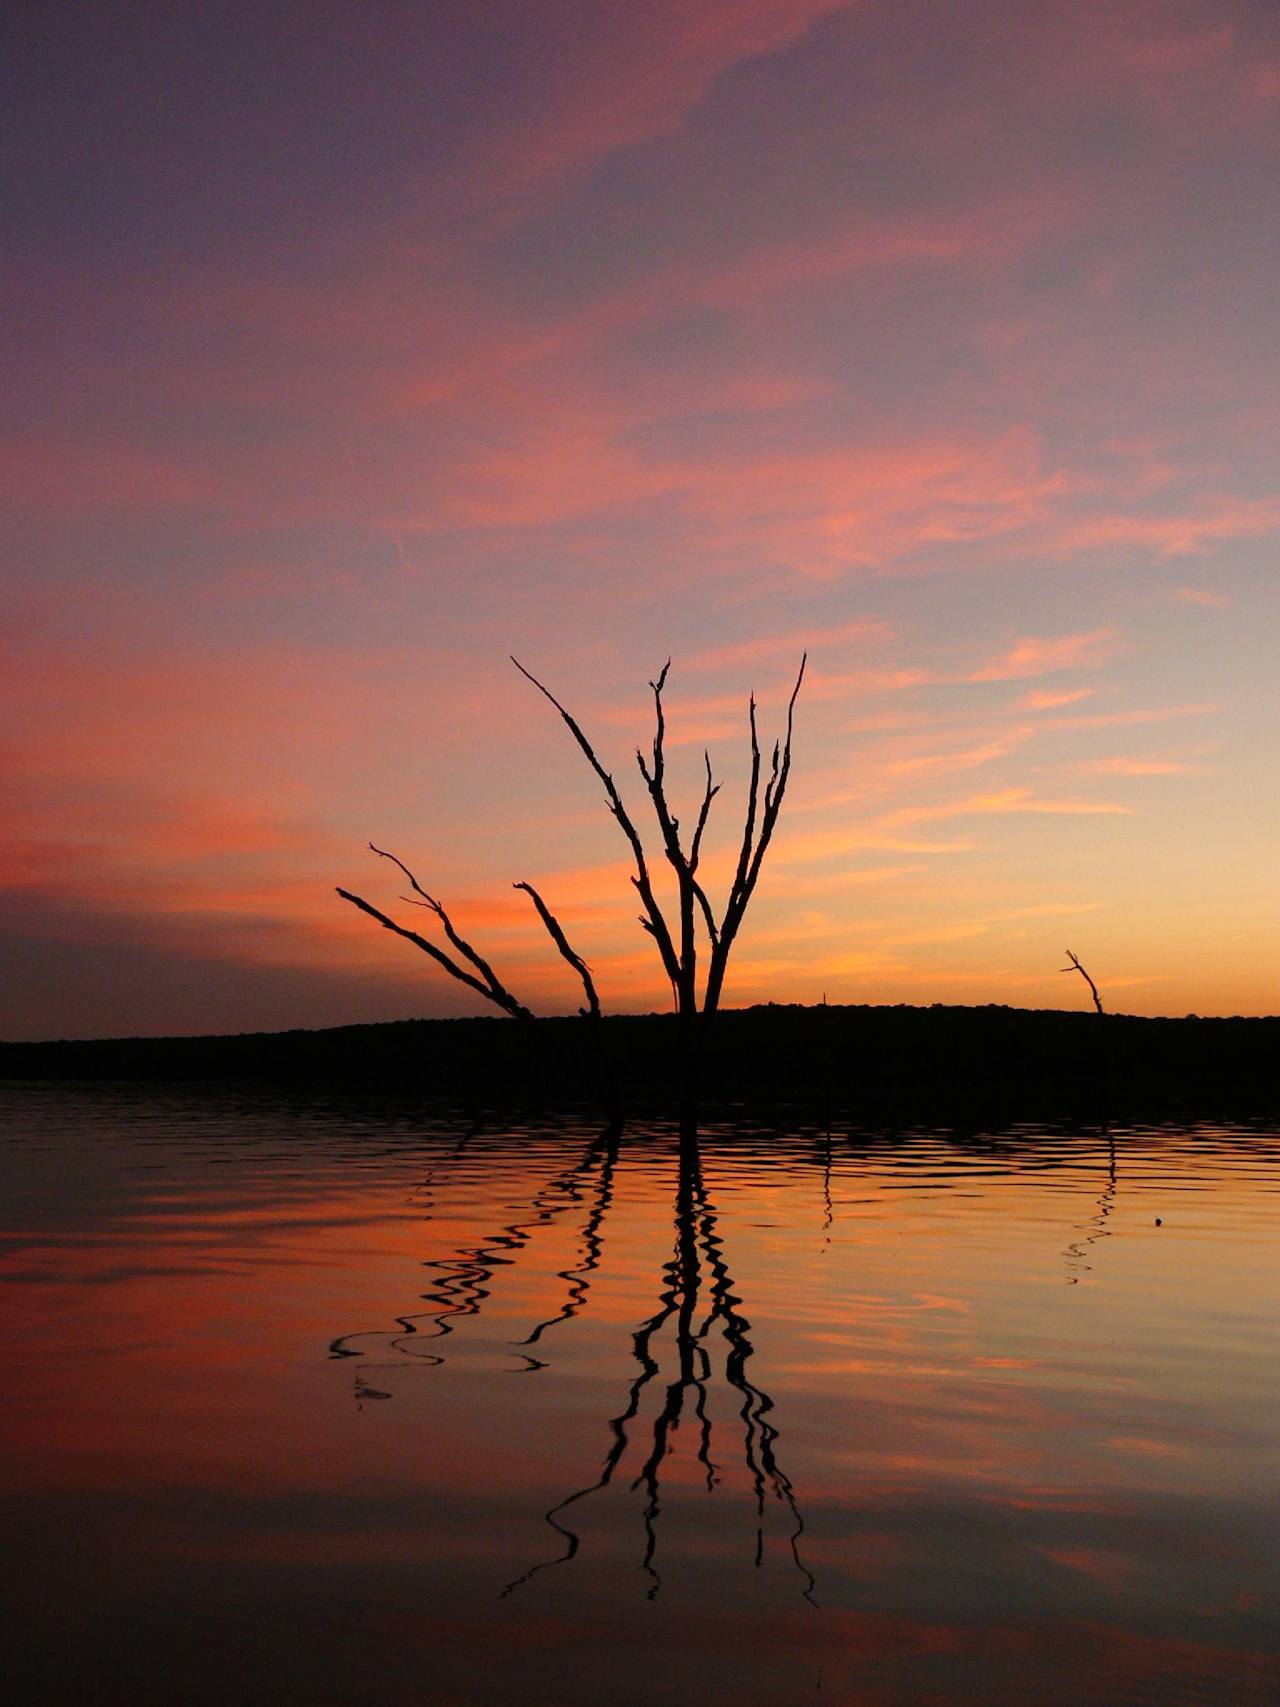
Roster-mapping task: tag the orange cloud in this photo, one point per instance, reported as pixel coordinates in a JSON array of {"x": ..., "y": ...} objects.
[
  {"x": 959, "y": 759},
  {"x": 1008, "y": 800},
  {"x": 1132, "y": 717},
  {"x": 1121, "y": 766}
]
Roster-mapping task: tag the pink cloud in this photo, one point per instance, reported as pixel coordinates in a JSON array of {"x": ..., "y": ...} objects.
[
  {"x": 1047, "y": 700},
  {"x": 816, "y": 639},
  {"x": 1183, "y": 534},
  {"x": 1041, "y": 656},
  {"x": 1201, "y": 596},
  {"x": 620, "y": 77}
]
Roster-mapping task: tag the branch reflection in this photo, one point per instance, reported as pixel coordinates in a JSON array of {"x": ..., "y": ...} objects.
[
  {"x": 1076, "y": 1254},
  {"x": 697, "y": 1296}
]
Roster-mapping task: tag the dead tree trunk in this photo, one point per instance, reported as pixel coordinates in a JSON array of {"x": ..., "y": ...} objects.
[
  {"x": 680, "y": 963},
  {"x": 1101, "y": 1050}
]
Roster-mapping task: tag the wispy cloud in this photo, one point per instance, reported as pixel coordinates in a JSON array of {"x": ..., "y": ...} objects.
[
  {"x": 1008, "y": 800},
  {"x": 1120, "y": 765},
  {"x": 1042, "y": 655},
  {"x": 1133, "y": 717},
  {"x": 1045, "y": 699},
  {"x": 954, "y": 759},
  {"x": 868, "y": 630}
]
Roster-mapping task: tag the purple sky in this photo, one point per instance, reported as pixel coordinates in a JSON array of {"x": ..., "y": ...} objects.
[{"x": 352, "y": 349}]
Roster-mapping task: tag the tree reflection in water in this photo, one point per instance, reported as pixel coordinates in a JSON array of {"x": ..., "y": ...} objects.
[
  {"x": 697, "y": 1296},
  {"x": 467, "y": 1272},
  {"x": 1076, "y": 1255}
]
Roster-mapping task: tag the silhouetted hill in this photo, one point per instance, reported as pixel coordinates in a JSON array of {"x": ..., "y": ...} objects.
[{"x": 875, "y": 1063}]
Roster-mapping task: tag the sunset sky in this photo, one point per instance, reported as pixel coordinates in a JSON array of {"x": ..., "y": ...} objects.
[{"x": 353, "y": 348}]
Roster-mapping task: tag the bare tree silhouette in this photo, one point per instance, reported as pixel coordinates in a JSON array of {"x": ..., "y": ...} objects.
[
  {"x": 681, "y": 962},
  {"x": 1075, "y": 966},
  {"x": 678, "y": 949}
]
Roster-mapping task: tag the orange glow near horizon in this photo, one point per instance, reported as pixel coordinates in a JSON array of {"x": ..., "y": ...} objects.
[{"x": 717, "y": 330}]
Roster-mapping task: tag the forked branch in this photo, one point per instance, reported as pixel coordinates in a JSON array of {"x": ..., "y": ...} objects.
[
  {"x": 755, "y": 842},
  {"x": 1075, "y": 966},
  {"x": 653, "y": 919},
  {"x": 493, "y": 989},
  {"x": 463, "y": 947}
]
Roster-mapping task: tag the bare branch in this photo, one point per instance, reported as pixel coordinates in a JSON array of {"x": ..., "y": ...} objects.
[
  {"x": 1075, "y": 966},
  {"x": 749, "y": 822},
  {"x": 700, "y": 894},
  {"x": 681, "y": 863},
  {"x": 496, "y": 993},
  {"x": 463, "y": 947},
  {"x": 754, "y": 847},
  {"x": 427, "y": 900},
  {"x": 657, "y": 925},
  {"x": 592, "y": 1009},
  {"x": 777, "y": 787},
  {"x": 660, "y": 727},
  {"x": 711, "y": 792},
  {"x": 655, "y": 779}
]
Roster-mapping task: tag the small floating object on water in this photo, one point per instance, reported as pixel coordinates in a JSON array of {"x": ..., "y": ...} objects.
[{"x": 1159, "y": 1222}]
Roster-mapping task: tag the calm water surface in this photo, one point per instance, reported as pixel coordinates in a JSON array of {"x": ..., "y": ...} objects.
[{"x": 311, "y": 1406}]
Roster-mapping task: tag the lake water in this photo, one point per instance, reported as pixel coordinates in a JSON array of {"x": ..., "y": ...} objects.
[{"x": 311, "y": 1405}]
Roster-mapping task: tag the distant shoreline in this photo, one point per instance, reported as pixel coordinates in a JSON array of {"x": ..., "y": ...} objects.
[{"x": 891, "y": 1063}]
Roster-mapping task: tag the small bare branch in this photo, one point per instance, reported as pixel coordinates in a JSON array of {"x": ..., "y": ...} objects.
[
  {"x": 655, "y": 781},
  {"x": 495, "y": 993},
  {"x": 754, "y": 846},
  {"x": 592, "y": 1009},
  {"x": 711, "y": 791},
  {"x": 463, "y": 947},
  {"x": 1075, "y": 966},
  {"x": 749, "y": 822},
  {"x": 660, "y": 727},
  {"x": 657, "y": 925},
  {"x": 777, "y": 787},
  {"x": 713, "y": 930}
]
